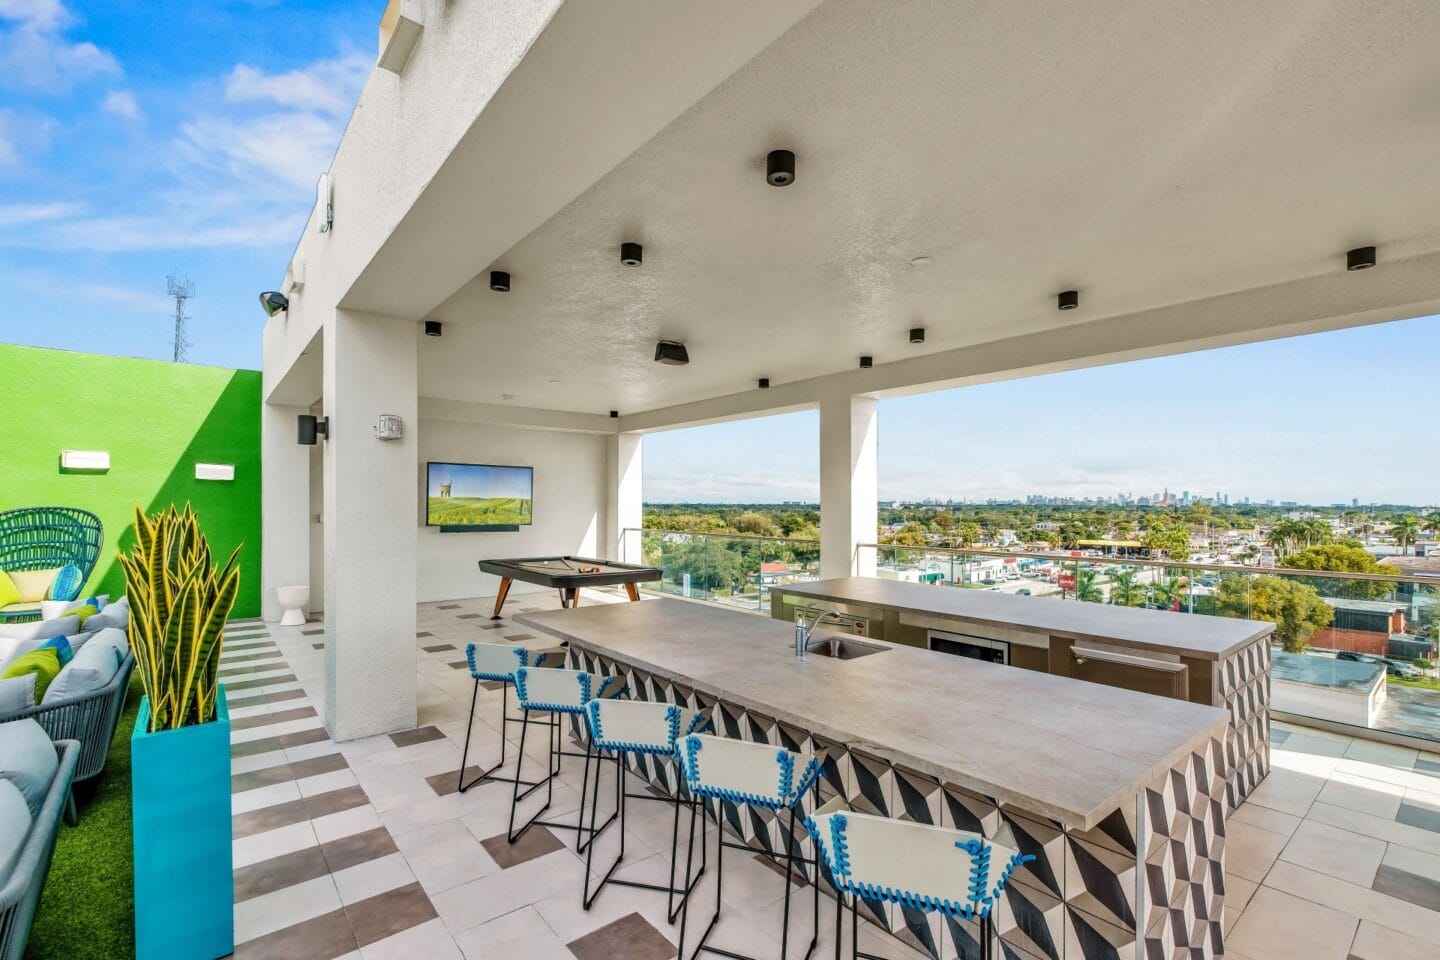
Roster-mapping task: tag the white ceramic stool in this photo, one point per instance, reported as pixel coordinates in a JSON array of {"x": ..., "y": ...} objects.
[{"x": 292, "y": 600}]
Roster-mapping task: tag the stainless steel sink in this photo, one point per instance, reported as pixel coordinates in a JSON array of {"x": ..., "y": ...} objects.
[{"x": 842, "y": 648}]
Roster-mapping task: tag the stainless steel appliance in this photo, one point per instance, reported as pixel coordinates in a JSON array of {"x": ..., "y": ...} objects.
[{"x": 965, "y": 645}]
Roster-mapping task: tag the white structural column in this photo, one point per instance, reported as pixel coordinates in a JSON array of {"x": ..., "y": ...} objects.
[
  {"x": 624, "y": 496},
  {"x": 848, "y": 485},
  {"x": 371, "y": 526},
  {"x": 284, "y": 505}
]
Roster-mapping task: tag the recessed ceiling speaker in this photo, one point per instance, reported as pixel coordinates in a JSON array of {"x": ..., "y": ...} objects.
[
  {"x": 764, "y": 383},
  {"x": 866, "y": 363},
  {"x": 273, "y": 302},
  {"x": 499, "y": 281},
  {"x": 672, "y": 352},
  {"x": 780, "y": 168},
  {"x": 1068, "y": 300},
  {"x": 1361, "y": 258},
  {"x": 631, "y": 254},
  {"x": 432, "y": 328},
  {"x": 917, "y": 334}
]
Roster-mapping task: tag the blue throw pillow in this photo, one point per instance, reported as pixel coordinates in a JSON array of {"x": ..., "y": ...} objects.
[
  {"x": 67, "y": 583},
  {"x": 61, "y": 646}
]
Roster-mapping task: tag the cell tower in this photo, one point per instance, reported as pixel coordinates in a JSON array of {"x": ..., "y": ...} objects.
[{"x": 181, "y": 290}]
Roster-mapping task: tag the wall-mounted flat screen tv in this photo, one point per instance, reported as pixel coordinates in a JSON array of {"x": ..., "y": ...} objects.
[{"x": 477, "y": 494}]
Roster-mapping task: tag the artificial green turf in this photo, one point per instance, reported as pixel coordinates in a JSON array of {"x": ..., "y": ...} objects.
[{"x": 86, "y": 911}]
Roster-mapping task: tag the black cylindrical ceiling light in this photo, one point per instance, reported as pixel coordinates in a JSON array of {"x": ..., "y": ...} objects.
[
  {"x": 500, "y": 281},
  {"x": 672, "y": 352},
  {"x": 1361, "y": 258},
  {"x": 763, "y": 383},
  {"x": 1068, "y": 300},
  {"x": 614, "y": 414},
  {"x": 631, "y": 253},
  {"x": 780, "y": 168},
  {"x": 917, "y": 334},
  {"x": 432, "y": 328},
  {"x": 866, "y": 363}
]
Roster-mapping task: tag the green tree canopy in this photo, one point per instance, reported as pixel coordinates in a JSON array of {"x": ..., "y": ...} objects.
[
  {"x": 1295, "y": 608},
  {"x": 1344, "y": 558}
]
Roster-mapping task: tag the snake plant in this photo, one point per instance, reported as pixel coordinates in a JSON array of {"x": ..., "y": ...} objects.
[{"x": 179, "y": 602}]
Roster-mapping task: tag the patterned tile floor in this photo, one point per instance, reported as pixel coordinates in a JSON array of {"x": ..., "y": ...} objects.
[{"x": 366, "y": 850}]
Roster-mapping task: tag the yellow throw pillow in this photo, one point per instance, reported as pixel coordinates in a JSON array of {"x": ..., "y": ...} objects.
[
  {"x": 8, "y": 592},
  {"x": 45, "y": 664},
  {"x": 84, "y": 612},
  {"x": 34, "y": 585}
]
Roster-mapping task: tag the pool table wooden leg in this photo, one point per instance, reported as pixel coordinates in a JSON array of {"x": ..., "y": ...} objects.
[
  {"x": 500, "y": 597},
  {"x": 632, "y": 591}
]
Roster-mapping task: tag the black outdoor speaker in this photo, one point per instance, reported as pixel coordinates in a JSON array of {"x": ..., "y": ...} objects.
[{"x": 311, "y": 427}]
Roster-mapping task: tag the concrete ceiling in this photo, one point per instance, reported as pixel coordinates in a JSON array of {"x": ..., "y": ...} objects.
[{"x": 1147, "y": 154}]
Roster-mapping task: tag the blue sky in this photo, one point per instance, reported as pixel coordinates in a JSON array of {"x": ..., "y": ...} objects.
[
  {"x": 135, "y": 142},
  {"x": 480, "y": 480},
  {"x": 139, "y": 138},
  {"x": 1319, "y": 419}
]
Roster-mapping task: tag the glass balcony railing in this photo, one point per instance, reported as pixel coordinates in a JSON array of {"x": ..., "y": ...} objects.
[
  {"x": 733, "y": 570},
  {"x": 1350, "y": 648}
]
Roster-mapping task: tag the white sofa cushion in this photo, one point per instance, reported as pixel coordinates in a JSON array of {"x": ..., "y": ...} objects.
[
  {"x": 17, "y": 693},
  {"x": 115, "y": 614},
  {"x": 11, "y": 647},
  {"x": 91, "y": 669},
  {"x": 43, "y": 629},
  {"x": 28, "y": 760},
  {"x": 15, "y": 823}
]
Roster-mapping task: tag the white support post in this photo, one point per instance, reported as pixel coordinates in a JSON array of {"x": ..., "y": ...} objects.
[
  {"x": 371, "y": 526},
  {"x": 624, "y": 497},
  {"x": 284, "y": 506},
  {"x": 848, "y": 486}
]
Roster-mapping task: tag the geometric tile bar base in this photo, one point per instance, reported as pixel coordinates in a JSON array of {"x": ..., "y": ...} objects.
[{"x": 1156, "y": 865}]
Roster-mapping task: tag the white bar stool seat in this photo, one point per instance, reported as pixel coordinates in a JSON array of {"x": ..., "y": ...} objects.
[
  {"x": 494, "y": 663},
  {"x": 933, "y": 869}
]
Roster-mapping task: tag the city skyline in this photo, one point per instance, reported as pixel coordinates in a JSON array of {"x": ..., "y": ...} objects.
[{"x": 1319, "y": 419}]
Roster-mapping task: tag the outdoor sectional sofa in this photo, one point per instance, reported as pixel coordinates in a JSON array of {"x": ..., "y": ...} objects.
[{"x": 34, "y": 794}]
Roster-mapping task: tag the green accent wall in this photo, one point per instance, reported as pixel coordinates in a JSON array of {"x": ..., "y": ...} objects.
[{"x": 156, "y": 420}]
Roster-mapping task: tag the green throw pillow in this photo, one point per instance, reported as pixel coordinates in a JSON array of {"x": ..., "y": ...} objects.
[
  {"x": 8, "y": 592},
  {"x": 84, "y": 612},
  {"x": 43, "y": 663}
]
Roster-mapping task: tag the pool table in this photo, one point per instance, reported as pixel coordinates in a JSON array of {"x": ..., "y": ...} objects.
[{"x": 568, "y": 575}]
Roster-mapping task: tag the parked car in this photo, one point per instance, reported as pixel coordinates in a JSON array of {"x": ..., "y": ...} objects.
[
  {"x": 1399, "y": 668},
  {"x": 1023, "y": 592},
  {"x": 988, "y": 581}
]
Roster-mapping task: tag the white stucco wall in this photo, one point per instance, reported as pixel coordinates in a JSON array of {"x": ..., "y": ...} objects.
[{"x": 570, "y": 502}]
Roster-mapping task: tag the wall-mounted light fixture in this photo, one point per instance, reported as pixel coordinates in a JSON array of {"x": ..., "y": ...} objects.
[
  {"x": 433, "y": 328},
  {"x": 324, "y": 204},
  {"x": 310, "y": 427},
  {"x": 400, "y": 28},
  {"x": 214, "y": 471},
  {"x": 273, "y": 302},
  {"x": 84, "y": 461}
]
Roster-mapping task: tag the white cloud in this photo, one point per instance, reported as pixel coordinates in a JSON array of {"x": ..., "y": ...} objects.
[
  {"x": 31, "y": 130},
  {"x": 326, "y": 86},
  {"x": 26, "y": 214},
  {"x": 121, "y": 103},
  {"x": 36, "y": 55},
  {"x": 272, "y": 150}
]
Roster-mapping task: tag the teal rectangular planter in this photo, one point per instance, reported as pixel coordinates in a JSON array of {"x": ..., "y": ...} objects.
[{"x": 184, "y": 879}]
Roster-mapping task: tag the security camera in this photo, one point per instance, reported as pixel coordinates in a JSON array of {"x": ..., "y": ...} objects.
[{"x": 274, "y": 302}]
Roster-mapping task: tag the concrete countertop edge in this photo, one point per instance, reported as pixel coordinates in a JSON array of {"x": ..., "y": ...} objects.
[
  {"x": 1264, "y": 629},
  {"x": 1071, "y": 819}
]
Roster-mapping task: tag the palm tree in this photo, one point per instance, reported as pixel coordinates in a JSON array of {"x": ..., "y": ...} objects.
[
  {"x": 1166, "y": 593},
  {"x": 1124, "y": 591},
  {"x": 1404, "y": 528},
  {"x": 1087, "y": 590}
]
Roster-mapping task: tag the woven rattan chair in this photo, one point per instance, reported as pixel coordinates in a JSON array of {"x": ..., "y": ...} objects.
[{"x": 38, "y": 538}]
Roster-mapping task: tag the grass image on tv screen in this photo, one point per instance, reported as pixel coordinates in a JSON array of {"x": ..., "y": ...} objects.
[{"x": 476, "y": 511}]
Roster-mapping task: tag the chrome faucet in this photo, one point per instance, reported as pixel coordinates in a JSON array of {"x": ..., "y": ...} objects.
[{"x": 803, "y": 632}]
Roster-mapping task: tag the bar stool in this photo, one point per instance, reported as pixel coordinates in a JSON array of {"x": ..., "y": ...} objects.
[
  {"x": 496, "y": 663},
  {"x": 754, "y": 775},
  {"x": 934, "y": 869},
  {"x": 559, "y": 693},
  {"x": 648, "y": 728}
]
